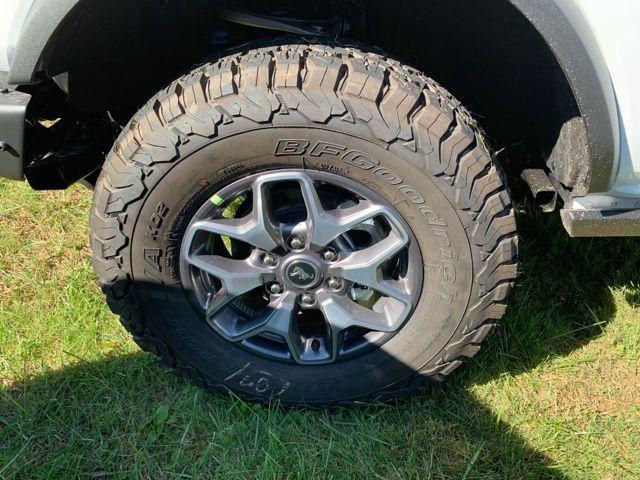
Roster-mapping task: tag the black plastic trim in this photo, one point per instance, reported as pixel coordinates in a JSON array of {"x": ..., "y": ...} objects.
[
  {"x": 564, "y": 28},
  {"x": 13, "y": 111}
]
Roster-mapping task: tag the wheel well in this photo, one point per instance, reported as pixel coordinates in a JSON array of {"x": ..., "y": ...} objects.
[
  {"x": 495, "y": 62},
  {"x": 486, "y": 52}
]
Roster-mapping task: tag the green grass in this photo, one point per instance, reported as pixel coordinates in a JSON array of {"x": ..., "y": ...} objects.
[{"x": 554, "y": 394}]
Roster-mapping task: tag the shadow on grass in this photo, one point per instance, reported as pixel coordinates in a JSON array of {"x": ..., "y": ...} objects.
[{"x": 106, "y": 418}]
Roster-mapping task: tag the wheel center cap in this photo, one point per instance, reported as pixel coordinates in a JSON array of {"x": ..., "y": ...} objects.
[{"x": 302, "y": 274}]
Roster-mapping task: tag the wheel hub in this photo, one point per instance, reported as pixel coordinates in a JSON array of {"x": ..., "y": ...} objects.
[
  {"x": 302, "y": 274},
  {"x": 282, "y": 284}
]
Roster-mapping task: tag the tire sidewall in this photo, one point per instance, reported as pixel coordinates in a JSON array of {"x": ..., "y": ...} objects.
[{"x": 177, "y": 190}]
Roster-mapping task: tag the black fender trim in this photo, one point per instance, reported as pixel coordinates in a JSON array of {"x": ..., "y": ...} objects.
[{"x": 563, "y": 26}]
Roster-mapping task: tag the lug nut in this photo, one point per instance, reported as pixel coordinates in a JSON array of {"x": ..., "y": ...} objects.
[
  {"x": 329, "y": 255},
  {"x": 276, "y": 289},
  {"x": 270, "y": 260},
  {"x": 296, "y": 242},
  {"x": 307, "y": 299},
  {"x": 334, "y": 283}
]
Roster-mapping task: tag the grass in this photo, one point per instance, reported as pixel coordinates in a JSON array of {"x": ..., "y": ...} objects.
[{"x": 555, "y": 393}]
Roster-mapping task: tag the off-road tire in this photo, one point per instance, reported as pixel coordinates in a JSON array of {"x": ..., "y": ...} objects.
[{"x": 440, "y": 166}]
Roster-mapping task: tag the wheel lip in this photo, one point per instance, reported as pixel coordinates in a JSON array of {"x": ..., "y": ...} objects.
[{"x": 375, "y": 339}]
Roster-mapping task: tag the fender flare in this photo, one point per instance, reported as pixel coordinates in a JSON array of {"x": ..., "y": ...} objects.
[
  {"x": 561, "y": 24},
  {"x": 566, "y": 31},
  {"x": 39, "y": 28}
]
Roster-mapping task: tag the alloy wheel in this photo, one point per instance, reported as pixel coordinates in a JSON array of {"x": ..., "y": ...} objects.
[{"x": 302, "y": 266}]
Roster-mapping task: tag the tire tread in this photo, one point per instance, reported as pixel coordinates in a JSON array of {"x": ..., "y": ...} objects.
[{"x": 398, "y": 103}]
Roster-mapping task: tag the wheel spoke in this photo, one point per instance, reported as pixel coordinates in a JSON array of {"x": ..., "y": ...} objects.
[
  {"x": 363, "y": 266},
  {"x": 279, "y": 321},
  {"x": 216, "y": 302},
  {"x": 255, "y": 229},
  {"x": 342, "y": 312},
  {"x": 236, "y": 276},
  {"x": 275, "y": 318},
  {"x": 394, "y": 289},
  {"x": 278, "y": 318},
  {"x": 324, "y": 226},
  {"x": 246, "y": 230},
  {"x": 271, "y": 236}
]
